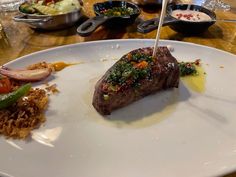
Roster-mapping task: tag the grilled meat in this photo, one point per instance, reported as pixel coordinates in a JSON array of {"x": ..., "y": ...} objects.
[{"x": 134, "y": 76}]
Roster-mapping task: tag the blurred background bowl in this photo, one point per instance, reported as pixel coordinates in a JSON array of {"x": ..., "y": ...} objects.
[
  {"x": 50, "y": 22},
  {"x": 181, "y": 26},
  {"x": 146, "y": 2}
]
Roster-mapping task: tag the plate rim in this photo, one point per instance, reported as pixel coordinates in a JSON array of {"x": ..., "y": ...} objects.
[{"x": 113, "y": 41}]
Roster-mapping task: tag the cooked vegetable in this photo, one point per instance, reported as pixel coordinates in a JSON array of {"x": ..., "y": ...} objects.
[
  {"x": 118, "y": 11},
  {"x": 188, "y": 68},
  {"x": 26, "y": 75},
  {"x": 65, "y": 6},
  {"x": 141, "y": 65},
  {"x": 27, "y": 8},
  {"x": 50, "y": 7},
  {"x": 5, "y": 85},
  {"x": 10, "y": 98},
  {"x": 47, "y": 10}
]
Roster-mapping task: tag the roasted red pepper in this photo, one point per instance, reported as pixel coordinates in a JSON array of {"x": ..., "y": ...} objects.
[{"x": 5, "y": 85}]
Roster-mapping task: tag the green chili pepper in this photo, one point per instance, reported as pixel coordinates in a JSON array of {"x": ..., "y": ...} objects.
[{"x": 10, "y": 98}]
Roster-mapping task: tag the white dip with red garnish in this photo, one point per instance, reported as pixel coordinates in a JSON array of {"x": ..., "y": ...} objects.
[{"x": 190, "y": 15}]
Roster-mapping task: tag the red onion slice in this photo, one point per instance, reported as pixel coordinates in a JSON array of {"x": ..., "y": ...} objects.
[{"x": 26, "y": 75}]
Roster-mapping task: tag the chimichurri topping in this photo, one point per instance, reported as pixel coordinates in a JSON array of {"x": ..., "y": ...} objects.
[
  {"x": 138, "y": 66},
  {"x": 188, "y": 68},
  {"x": 130, "y": 70},
  {"x": 140, "y": 57},
  {"x": 118, "y": 11}
]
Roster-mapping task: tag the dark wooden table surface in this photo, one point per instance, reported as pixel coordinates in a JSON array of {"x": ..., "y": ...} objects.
[{"x": 17, "y": 39}]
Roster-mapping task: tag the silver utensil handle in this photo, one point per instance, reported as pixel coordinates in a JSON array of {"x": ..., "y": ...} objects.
[{"x": 25, "y": 19}]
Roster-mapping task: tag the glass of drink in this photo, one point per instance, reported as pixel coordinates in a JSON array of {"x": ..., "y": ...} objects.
[
  {"x": 216, "y": 5},
  {"x": 10, "y": 5}
]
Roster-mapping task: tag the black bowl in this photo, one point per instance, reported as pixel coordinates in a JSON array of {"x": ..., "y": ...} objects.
[
  {"x": 92, "y": 24},
  {"x": 181, "y": 26},
  {"x": 117, "y": 21}
]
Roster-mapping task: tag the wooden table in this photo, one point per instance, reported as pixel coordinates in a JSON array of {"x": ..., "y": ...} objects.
[{"x": 17, "y": 39}]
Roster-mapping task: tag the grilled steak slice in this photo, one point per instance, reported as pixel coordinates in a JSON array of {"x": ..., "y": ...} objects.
[{"x": 134, "y": 76}]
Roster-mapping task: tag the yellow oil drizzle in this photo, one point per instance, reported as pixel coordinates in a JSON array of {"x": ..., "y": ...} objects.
[
  {"x": 197, "y": 82},
  {"x": 58, "y": 66}
]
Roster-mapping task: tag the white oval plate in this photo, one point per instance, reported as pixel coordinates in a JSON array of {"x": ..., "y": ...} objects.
[{"x": 172, "y": 133}]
